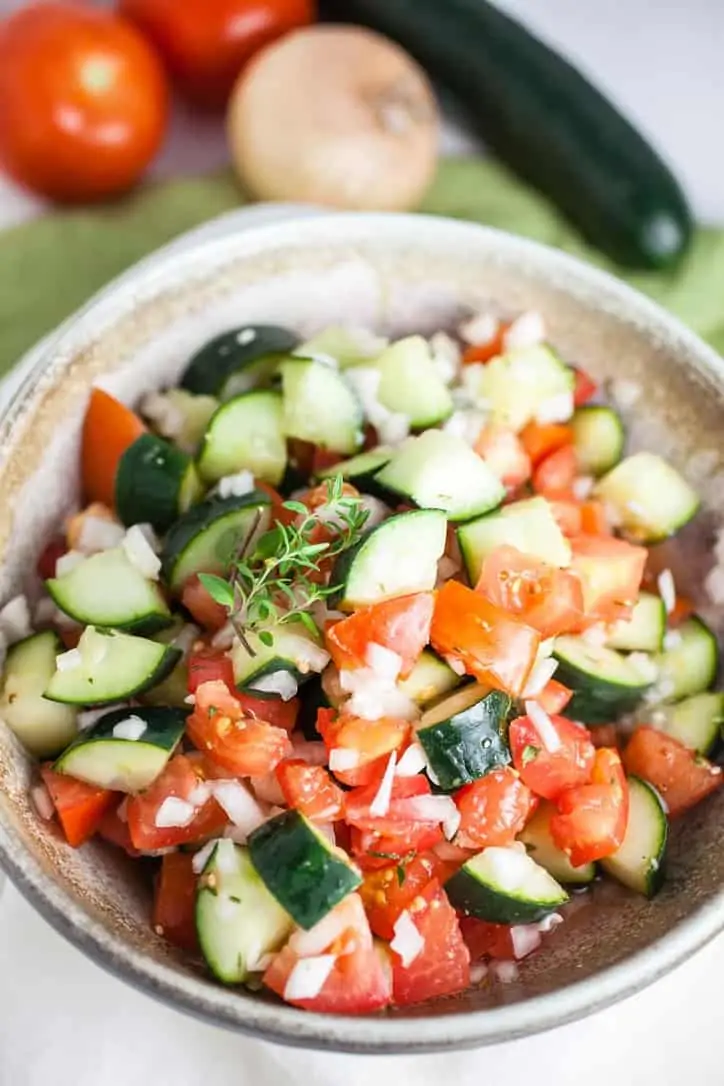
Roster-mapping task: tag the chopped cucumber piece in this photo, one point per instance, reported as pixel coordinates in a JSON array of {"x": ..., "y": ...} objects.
[
  {"x": 604, "y": 683},
  {"x": 155, "y": 483},
  {"x": 238, "y": 360},
  {"x": 542, "y": 848},
  {"x": 347, "y": 346},
  {"x": 306, "y": 874},
  {"x": 107, "y": 589},
  {"x": 320, "y": 406},
  {"x": 188, "y": 416},
  {"x": 411, "y": 385},
  {"x": 430, "y": 679},
  {"x": 644, "y": 631},
  {"x": 396, "y": 558},
  {"x": 598, "y": 437},
  {"x": 42, "y": 726},
  {"x": 361, "y": 469},
  {"x": 293, "y": 649},
  {"x": 100, "y": 756},
  {"x": 206, "y": 538},
  {"x": 466, "y": 735},
  {"x": 237, "y": 920},
  {"x": 691, "y": 666},
  {"x": 505, "y": 886},
  {"x": 245, "y": 433},
  {"x": 650, "y": 498},
  {"x": 110, "y": 666},
  {"x": 639, "y": 862},
  {"x": 528, "y": 525},
  {"x": 696, "y": 721},
  {"x": 440, "y": 471},
  {"x": 517, "y": 385}
]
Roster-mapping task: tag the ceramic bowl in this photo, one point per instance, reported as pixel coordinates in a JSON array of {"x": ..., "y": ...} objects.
[{"x": 396, "y": 274}]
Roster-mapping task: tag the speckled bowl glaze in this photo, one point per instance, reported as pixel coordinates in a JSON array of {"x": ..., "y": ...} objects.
[{"x": 396, "y": 274}]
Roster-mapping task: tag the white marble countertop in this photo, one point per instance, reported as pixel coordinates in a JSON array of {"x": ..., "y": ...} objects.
[{"x": 63, "y": 1021}]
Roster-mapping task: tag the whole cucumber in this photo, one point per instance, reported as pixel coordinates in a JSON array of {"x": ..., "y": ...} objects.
[{"x": 543, "y": 118}]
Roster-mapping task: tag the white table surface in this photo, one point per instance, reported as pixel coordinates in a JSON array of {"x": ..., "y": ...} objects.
[{"x": 65, "y": 1022}]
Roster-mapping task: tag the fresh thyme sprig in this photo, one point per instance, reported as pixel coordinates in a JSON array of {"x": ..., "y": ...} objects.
[{"x": 275, "y": 578}]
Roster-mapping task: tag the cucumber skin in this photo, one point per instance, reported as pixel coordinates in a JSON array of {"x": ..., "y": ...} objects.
[
  {"x": 211, "y": 366},
  {"x": 455, "y": 748},
  {"x": 479, "y": 900},
  {"x": 148, "y": 491},
  {"x": 543, "y": 118}
]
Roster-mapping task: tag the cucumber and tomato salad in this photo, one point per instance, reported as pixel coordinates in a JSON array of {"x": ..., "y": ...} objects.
[{"x": 330, "y": 787}]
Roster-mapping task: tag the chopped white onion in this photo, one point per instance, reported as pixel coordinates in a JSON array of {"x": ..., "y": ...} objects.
[
  {"x": 451, "y": 824},
  {"x": 88, "y": 717},
  {"x": 466, "y": 423},
  {"x": 279, "y": 682},
  {"x": 42, "y": 802},
  {"x": 380, "y": 805},
  {"x": 541, "y": 674},
  {"x": 446, "y": 356},
  {"x": 68, "y": 562},
  {"x": 525, "y": 939},
  {"x": 426, "y": 808},
  {"x": 412, "y": 762},
  {"x": 149, "y": 534},
  {"x": 342, "y": 758},
  {"x": 174, "y": 812},
  {"x": 596, "y": 635},
  {"x": 190, "y": 699},
  {"x": 478, "y": 972},
  {"x": 374, "y": 696},
  {"x": 558, "y": 408},
  {"x": 200, "y": 794},
  {"x": 527, "y": 330},
  {"x": 69, "y": 661},
  {"x": 376, "y": 509},
  {"x": 348, "y": 914},
  {"x": 393, "y": 428},
  {"x": 308, "y": 977},
  {"x": 544, "y": 726},
  {"x": 479, "y": 329},
  {"x": 141, "y": 554},
  {"x": 667, "y": 589},
  {"x": 165, "y": 416},
  {"x": 236, "y": 485},
  {"x": 223, "y": 638},
  {"x": 132, "y": 728},
  {"x": 548, "y": 923},
  {"x": 407, "y": 941},
  {"x": 15, "y": 621},
  {"x": 386, "y": 663},
  {"x": 99, "y": 534},
  {"x": 238, "y": 804},
  {"x": 455, "y": 665},
  {"x": 202, "y": 857},
  {"x": 506, "y": 972},
  {"x": 185, "y": 638},
  {"x": 582, "y": 487}
]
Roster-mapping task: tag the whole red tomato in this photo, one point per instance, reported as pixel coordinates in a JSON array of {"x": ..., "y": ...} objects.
[
  {"x": 205, "y": 43},
  {"x": 83, "y": 101}
]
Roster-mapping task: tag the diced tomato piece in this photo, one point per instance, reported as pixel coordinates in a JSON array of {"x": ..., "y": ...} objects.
[
  {"x": 310, "y": 789},
  {"x": 682, "y": 776},
  {"x": 493, "y": 810},
  {"x": 486, "y": 940},
  {"x": 401, "y": 625},
  {"x": 554, "y": 697},
  {"x": 70, "y": 635},
  {"x": 567, "y": 512},
  {"x": 109, "y": 428},
  {"x": 541, "y": 440},
  {"x": 605, "y": 735},
  {"x": 371, "y": 740},
  {"x": 443, "y": 965},
  {"x": 278, "y": 512},
  {"x": 204, "y": 609},
  {"x": 246, "y": 747},
  {"x": 374, "y": 850},
  {"x": 585, "y": 387},
  {"x": 594, "y": 519},
  {"x": 174, "y": 904},
  {"x": 360, "y": 980},
  {"x": 503, "y": 452},
  {"x": 548, "y": 767},
  {"x": 611, "y": 571},
  {"x": 390, "y": 890},
  {"x": 207, "y": 665},
  {"x": 55, "y": 549},
  {"x": 80, "y": 807},
  {"x": 483, "y": 352},
  {"x": 591, "y": 820},
  {"x": 322, "y": 459},
  {"x": 272, "y": 710},
  {"x": 548, "y": 599},
  {"x": 555, "y": 474},
  {"x": 319, "y": 495},
  {"x": 492, "y": 646},
  {"x": 114, "y": 829},
  {"x": 180, "y": 778}
]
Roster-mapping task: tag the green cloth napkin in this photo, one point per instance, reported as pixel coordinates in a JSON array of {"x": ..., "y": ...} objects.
[{"x": 50, "y": 266}]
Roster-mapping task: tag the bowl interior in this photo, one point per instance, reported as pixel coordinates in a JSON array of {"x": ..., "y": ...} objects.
[{"x": 394, "y": 274}]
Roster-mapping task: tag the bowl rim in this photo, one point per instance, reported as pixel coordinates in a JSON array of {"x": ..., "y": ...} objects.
[{"x": 235, "y": 1009}]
